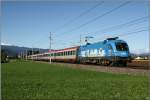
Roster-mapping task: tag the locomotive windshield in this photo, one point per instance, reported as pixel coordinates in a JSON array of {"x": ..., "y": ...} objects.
[{"x": 122, "y": 47}]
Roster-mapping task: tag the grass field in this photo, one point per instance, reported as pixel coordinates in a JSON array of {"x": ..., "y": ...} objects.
[{"x": 23, "y": 80}]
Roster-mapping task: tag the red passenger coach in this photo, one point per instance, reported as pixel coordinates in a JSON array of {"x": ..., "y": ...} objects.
[{"x": 65, "y": 55}]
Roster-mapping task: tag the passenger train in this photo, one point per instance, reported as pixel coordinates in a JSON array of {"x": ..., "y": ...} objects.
[{"x": 111, "y": 51}]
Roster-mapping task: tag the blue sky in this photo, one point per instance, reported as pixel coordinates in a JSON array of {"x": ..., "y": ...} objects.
[{"x": 28, "y": 23}]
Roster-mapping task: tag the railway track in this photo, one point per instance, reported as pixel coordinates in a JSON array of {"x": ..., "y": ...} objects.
[
  {"x": 119, "y": 69},
  {"x": 139, "y": 64},
  {"x": 133, "y": 68}
]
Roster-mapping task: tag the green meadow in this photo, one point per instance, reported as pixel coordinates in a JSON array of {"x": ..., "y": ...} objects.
[{"x": 28, "y": 80}]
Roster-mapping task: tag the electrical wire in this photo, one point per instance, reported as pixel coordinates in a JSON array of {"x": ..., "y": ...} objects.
[
  {"x": 80, "y": 15},
  {"x": 132, "y": 22},
  {"x": 100, "y": 16}
]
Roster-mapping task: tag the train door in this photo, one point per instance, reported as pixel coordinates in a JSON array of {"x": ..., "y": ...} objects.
[{"x": 110, "y": 50}]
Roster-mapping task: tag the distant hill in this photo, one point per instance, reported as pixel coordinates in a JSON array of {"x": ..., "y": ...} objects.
[{"x": 15, "y": 50}]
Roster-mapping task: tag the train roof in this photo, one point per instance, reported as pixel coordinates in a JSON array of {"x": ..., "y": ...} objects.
[
  {"x": 101, "y": 43},
  {"x": 65, "y": 49}
]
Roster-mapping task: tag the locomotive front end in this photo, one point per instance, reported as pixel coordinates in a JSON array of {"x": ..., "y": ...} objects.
[{"x": 121, "y": 52}]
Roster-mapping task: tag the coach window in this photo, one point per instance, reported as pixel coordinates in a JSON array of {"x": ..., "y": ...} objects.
[
  {"x": 67, "y": 53},
  {"x": 55, "y": 54},
  {"x": 64, "y": 53},
  {"x": 72, "y": 52}
]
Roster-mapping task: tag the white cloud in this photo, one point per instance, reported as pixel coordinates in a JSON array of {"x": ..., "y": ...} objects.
[{"x": 2, "y": 43}]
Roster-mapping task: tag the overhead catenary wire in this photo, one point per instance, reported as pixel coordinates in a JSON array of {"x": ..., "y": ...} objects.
[
  {"x": 98, "y": 17},
  {"x": 126, "y": 24},
  {"x": 132, "y": 22},
  {"x": 121, "y": 32},
  {"x": 125, "y": 34},
  {"x": 80, "y": 15},
  {"x": 115, "y": 35},
  {"x": 131, "y": 33},
  {"x": 106, "y": 13}
]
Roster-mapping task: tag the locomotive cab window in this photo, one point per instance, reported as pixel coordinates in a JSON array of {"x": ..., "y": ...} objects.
[{"x": 122, "y": 47}]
